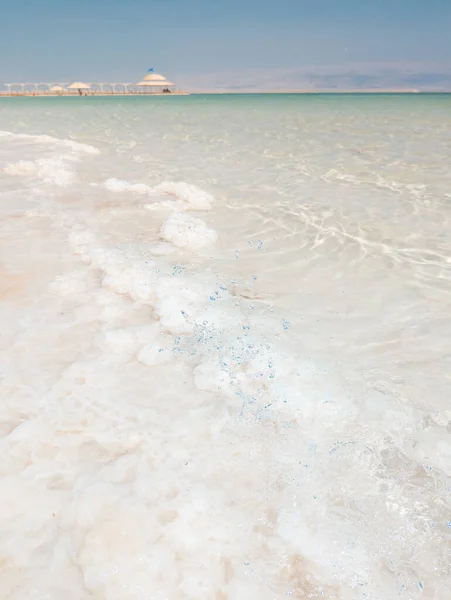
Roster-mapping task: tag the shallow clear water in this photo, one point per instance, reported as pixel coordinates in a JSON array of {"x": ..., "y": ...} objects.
[{"x": 225, "y": 347}]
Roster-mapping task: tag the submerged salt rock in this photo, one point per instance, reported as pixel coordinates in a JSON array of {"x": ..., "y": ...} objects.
[
  {"x": 119, "y": 341},
  {"x": 156, "y": 354},
  {"x": 193, "y": 197},
  {"x": 208, "y": 376},
  {"x": 178, "y": 302},
  {"x": 21, "y": 167},
  {"x": 162, "y": 249},
  {"x": 190, "y": 197},
  {"x": 184, "y": 231},
  {"x": 70, "y": 284},
  {"x": 158, "y": 348},
  {"x": 118, "y": 185},
  {"x": 49, "y": 140},
  {"x": 50, "y": 170}
]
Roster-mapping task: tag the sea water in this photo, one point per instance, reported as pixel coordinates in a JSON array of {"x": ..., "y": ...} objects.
[{"x": 225, "y": 338}]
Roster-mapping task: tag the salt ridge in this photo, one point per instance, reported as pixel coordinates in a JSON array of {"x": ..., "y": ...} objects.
[
  {"x": 49, "y": 140},
  {"x": 189, "y": 197},
  {"x": 161, "y": 438},
  {"x": 55, "y": 171}
]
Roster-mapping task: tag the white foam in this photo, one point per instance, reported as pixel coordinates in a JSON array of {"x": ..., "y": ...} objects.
[{"x": 187, "y": 232}]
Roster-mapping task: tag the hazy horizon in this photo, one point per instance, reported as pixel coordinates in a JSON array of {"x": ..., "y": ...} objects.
[{"x": 255, "y": 45}]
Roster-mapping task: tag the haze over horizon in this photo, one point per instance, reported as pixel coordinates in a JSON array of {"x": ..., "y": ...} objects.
[{"x": 238, "y": 46}]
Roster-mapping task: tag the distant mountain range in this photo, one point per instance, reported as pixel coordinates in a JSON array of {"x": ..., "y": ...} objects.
[{"x": 357, "y": 76}]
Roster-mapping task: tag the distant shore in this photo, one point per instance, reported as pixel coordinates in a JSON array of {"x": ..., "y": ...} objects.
[
  {"x": 41, "y": 94},
  {"x": 315, "y": 91},
  {"x": 88, "y": 95}
]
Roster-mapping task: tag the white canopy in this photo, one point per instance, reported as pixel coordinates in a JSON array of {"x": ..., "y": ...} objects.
[
  {"x": 154, "y": 77},
  {"x": 163, "y": 83},
  {"x": 57, "y": 88},
  {"x": 78, "y": 85}
]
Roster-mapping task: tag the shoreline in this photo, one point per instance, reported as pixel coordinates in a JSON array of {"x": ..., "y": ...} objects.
[
  {"x": 321, "y": 91},
  {"x": 90, "y": 95},
  {"x": 4, "y": 94}
]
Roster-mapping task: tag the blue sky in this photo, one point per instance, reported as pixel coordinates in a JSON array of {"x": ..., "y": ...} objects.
[{"x": 207, "y": 42}]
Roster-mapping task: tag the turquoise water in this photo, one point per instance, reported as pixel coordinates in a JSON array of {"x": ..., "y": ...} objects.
[{"x": 226, "y": 346}]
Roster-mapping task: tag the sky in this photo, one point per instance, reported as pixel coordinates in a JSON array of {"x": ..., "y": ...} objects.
[{"x": 230, "y": 44}]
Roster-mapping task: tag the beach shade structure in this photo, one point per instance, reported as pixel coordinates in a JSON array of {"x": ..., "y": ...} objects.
[
  {"x": 80, "y": 86},
  {"x": 155, "y": 80},
  {"x": 163, "y": 83},
  {"x": 154, "y": 77},
  {"x": 58, "y": 89}
]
